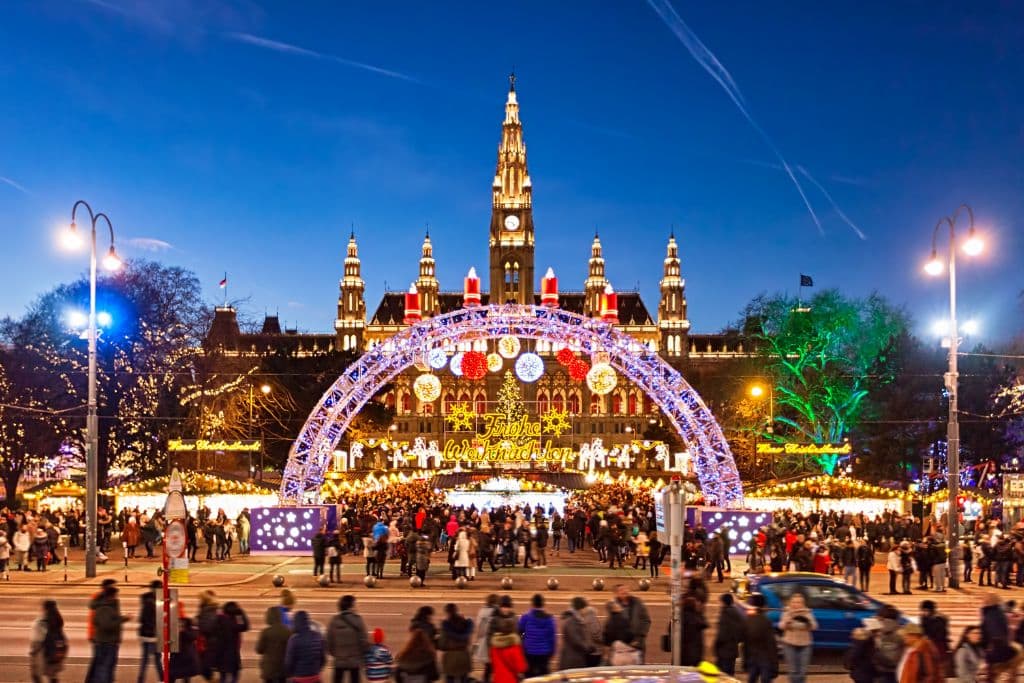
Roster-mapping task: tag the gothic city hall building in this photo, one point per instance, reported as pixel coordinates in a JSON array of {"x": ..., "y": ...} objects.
[{"x": 513, "y": 276}]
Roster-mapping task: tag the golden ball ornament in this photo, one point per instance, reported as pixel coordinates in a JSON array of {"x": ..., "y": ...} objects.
[
  {"x": 601, "y": 379},
  {"x": 427, "y": 388},
  {"x": 508, "y": 346}
]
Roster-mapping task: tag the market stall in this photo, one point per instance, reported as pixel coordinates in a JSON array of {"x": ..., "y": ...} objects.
[
  {"x": 217, "y": 492},
  {"x": 56, "y": 495},
  {"x": 824, "y": 493}
]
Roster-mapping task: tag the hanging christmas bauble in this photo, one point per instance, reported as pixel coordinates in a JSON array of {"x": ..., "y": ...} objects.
[
  {"x": 600, "y": 358},
  {"x": 602, "y": 379},
  {"x": 494, "y": 362},
  {"x": 565, "y": 356},
  {"x": 529, "y": 367},
  {"x": 427, "y": 388},
  {"x": 474, "y": 365},
  {"x": 508, "y": 346},
  {"x": 437, "y": 358},
  {"x": 578, "y": 369},
  {"x": 456, "y": 364}
]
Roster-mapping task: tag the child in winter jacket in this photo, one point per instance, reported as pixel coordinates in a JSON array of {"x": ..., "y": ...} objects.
[{"x": 380, "y": 663}]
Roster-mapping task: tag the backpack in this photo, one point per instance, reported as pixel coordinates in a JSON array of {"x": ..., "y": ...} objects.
[
  {"x": 55, "y": 647},
  {"x": 888, "y": 651}
]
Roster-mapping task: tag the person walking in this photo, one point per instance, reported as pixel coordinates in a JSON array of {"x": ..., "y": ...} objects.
[
  {"x": 334, "y": 557},
  {"x": 305, "y": 655},
  {"x": 507, "y": 658},
  {"x": 149, "y": 630},
  {"x": 577, "y": 643},
  {"x": 461, "y": 552},
  {"x": 760, "y": 651},
  {"x": 920, "y": 663},
  {"x": 417, "y": 662},
  {"x": 691, "y": 645},
  {"x": 481, "y": 646},
  {"x": 865, "y": 561},
  {"x": 347, "y": 640},
  {"x": 231, "y": 624},
  {"x": 859, "y": 659},
  {"x": 272, "y": 646},
  {"x": 456, "y": 634},
  {"x": 969, "y": 656},
  {"x": 537, "y": 629},
  {"x": 655, "y": 553},
  {"x": 639, "y": 618},
  {"x": 797, "y": 623},
  {"x": 48, "y": 646},
  {"x": 108, "y": 625},
  {"x": 848, "y": 558},
  {"x": 318, "y": 545},
  {"x": 131, "y": 535},
  {"x": 185, "y": 662},
  {"x": 892, "y": 564},
  {"x": 936, "y": 629},
  {"x": 207, "y": 637},
  {"x": 379, "y": 662},
  {"x": 729, "y": 635},
  {"x": 889, "y": 644},
  {"x": 22, "y": 542}
]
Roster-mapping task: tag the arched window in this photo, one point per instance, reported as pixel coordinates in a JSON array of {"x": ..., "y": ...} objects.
[
  {"x": 595, "y": 404},
  {"x": 542, "y": 402},
  {"x": 449, "y": 401},
  {"x": 632, "y": 404},
  {"x": 389, "y": 400},
  {"x": 616, "y": 404},
  {"x": 574, "y": 403},
  {"x": 559, "y": 402},
  {"x": 481, "y": 403},
  {"x": 427, "y": 409},
  {"x": 464, "y": 398},
  {"x": 406, "y": 403}
]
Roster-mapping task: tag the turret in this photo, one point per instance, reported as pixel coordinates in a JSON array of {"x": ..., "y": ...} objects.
[
  {"x": 594, "y": 286},
  {"x": 673, "y": 326},
  {"x": 351, "y": 321}
]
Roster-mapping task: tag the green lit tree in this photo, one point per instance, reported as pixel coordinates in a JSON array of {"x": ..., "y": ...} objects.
[
  {"x": 510, "y": 398},
  {"x": 824, "y": 357}
]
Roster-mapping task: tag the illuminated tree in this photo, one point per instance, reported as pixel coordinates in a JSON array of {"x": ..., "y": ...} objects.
[
  {"x": 824, "y": 357},
  {"x": 510, "y": 398}
]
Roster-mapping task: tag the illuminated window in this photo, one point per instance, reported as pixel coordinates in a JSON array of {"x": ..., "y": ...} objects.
[
  {"x": 574, "y": 404},
  {"x": 481, "y": 403},
  {"x": 542, "y": 402},
  {"x": 632, "y": 404}
]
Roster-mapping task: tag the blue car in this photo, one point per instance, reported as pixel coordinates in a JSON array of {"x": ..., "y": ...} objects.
[{"x": 838, "y": 607}]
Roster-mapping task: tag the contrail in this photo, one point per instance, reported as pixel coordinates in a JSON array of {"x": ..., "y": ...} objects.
[
  {"x": 16, "y": 185},
  {"x": 288, "y": 48},
  {"x": 831, "y": 201},
  {"x": 716, "y": 70}
]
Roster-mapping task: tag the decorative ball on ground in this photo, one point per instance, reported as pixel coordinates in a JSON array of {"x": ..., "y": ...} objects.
[
  {"x": 529, "y": 367},
  {"x": 278, "y": 581},
  {"x": 552, "y": 584},
  {"x": 324, "y": 581},
  {"x": 508, "y": 346},
  {"x": 598, "y": 584},
  {"x": 461, "y": 582},
  {"x": 601, "y": 379},
  {"x": 415, "y": 581},
  {"x": 565, "y": 356},
  {"x": 370, "y": 581},
  {"x": 495, "y": 362},
  {"x": 506, "y": 582},
  {"x": 578, "y": 369},
  {"x": 474, "y": 365},
  {"x": 645, "y": 584},
  {"x": 427, "y": 388}
]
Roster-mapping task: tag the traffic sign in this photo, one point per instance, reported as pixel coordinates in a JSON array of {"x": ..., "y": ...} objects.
[{"x": 175, "y": 539}]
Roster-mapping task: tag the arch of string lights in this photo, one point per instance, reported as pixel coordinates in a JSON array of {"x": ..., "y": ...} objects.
[{"x": 311, "y": 453}]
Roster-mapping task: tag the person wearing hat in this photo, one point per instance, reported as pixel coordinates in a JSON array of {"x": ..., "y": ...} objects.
[
  {"x": 272, "y": 645},
  {"x": 920, "y": 662},
  {"x": 936, "y": 628},
  {"x": 380, "y": 662},
  {"x": 577, "y": 645},
  {"x": 907, "y": 565}
]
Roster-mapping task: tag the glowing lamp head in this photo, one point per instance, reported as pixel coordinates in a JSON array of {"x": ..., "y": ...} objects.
[
  {"x": 970, "y": 327},
  {"x": 77, "y": 319},
  {"x": 973, "y": 245},
  {"x": 757, "y": 391},
  {"x": 265, "y": 389},
  {"x": 104, "y": 319},
  {"x": 933, "y": 266},
  {"x": 71, "y": 239},
  {"x": 112, "y": 261}
]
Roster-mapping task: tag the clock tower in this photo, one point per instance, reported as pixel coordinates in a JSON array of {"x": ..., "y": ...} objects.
[{"x": 512, "y": 236}]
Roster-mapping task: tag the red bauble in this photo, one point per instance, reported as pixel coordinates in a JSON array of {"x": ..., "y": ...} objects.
[
  {"x": 565, "y": 356},
  {"x": 474, "y": 365},
  {"x": 577, "y": 368}
]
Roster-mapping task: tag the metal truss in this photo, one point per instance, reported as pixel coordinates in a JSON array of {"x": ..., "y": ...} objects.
[{"x": 311, "y": 453}]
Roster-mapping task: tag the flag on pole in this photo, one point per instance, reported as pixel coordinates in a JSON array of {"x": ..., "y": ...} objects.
[
  {"x": 224, "y": 283},
  {"x": 806, "y": 280}
]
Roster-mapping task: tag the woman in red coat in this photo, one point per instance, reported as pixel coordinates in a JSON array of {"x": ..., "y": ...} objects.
[
  {"x": 822, "y": 560},
  {"x": 507, "y": 660}
]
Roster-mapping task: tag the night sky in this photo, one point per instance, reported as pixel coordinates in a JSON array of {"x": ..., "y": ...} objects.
[{"x": 247, "y": 138}]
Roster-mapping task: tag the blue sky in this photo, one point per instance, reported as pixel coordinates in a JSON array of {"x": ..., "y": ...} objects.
[{"x": 248, "y": 138}]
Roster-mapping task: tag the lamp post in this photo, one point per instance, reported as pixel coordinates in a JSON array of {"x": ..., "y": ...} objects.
[
  {"x": 111, "y": 261},
  {"x": 972, "y": 246},
  {"x": 757, "y": 391},
  {"x": 265, "y": 390}
]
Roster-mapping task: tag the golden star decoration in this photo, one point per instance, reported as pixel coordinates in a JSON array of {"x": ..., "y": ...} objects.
[
  {"x": 555, "y": 422},
  {"x": 460, "y": 417}
]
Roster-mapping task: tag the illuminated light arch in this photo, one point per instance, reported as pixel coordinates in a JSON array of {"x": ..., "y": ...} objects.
[{"x": 310, "y": 455}]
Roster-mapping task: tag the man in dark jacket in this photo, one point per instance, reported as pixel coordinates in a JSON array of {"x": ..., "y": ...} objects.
[
  {"x": 319, "y": 547},
  {"x": 638, "y": 616},
  {"x": 760, "y": 651},
  {"x": 149, "y": 628},
  {"x": 347, "y": 640},
  {"x": 936, "y": 628},
  {"x": 729, "y": 635},
  {"x": 305, "y": 655},
  {"x": 577, "y": 642},
  {"x": 108, "y": 622},
  {"x": 537, "y": 629},
  {"x": 272, "y": 644}
]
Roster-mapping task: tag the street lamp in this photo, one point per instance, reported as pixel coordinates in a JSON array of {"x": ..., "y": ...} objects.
[
  {"x": 265, "y": 390},
  {"x": 757, "y": 391},
  {"x": 972, "y": 246},
  {"x": 73, "y": 239}
]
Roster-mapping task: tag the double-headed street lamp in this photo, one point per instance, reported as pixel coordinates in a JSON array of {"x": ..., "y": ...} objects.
[
  {"x": 73, "y": 240},
  {"x": 972, "y": 246}
]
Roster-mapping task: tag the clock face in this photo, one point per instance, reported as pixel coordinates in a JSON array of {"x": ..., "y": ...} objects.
[{"x": 511, "y": 222}]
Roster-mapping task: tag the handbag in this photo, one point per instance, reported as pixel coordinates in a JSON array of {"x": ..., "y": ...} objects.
[{"x": 623, "y": 655}]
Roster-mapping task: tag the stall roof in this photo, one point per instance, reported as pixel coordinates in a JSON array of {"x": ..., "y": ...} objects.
[
  {"x": 193, "y": 483},
  {"x": 826, "y": 486}
]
